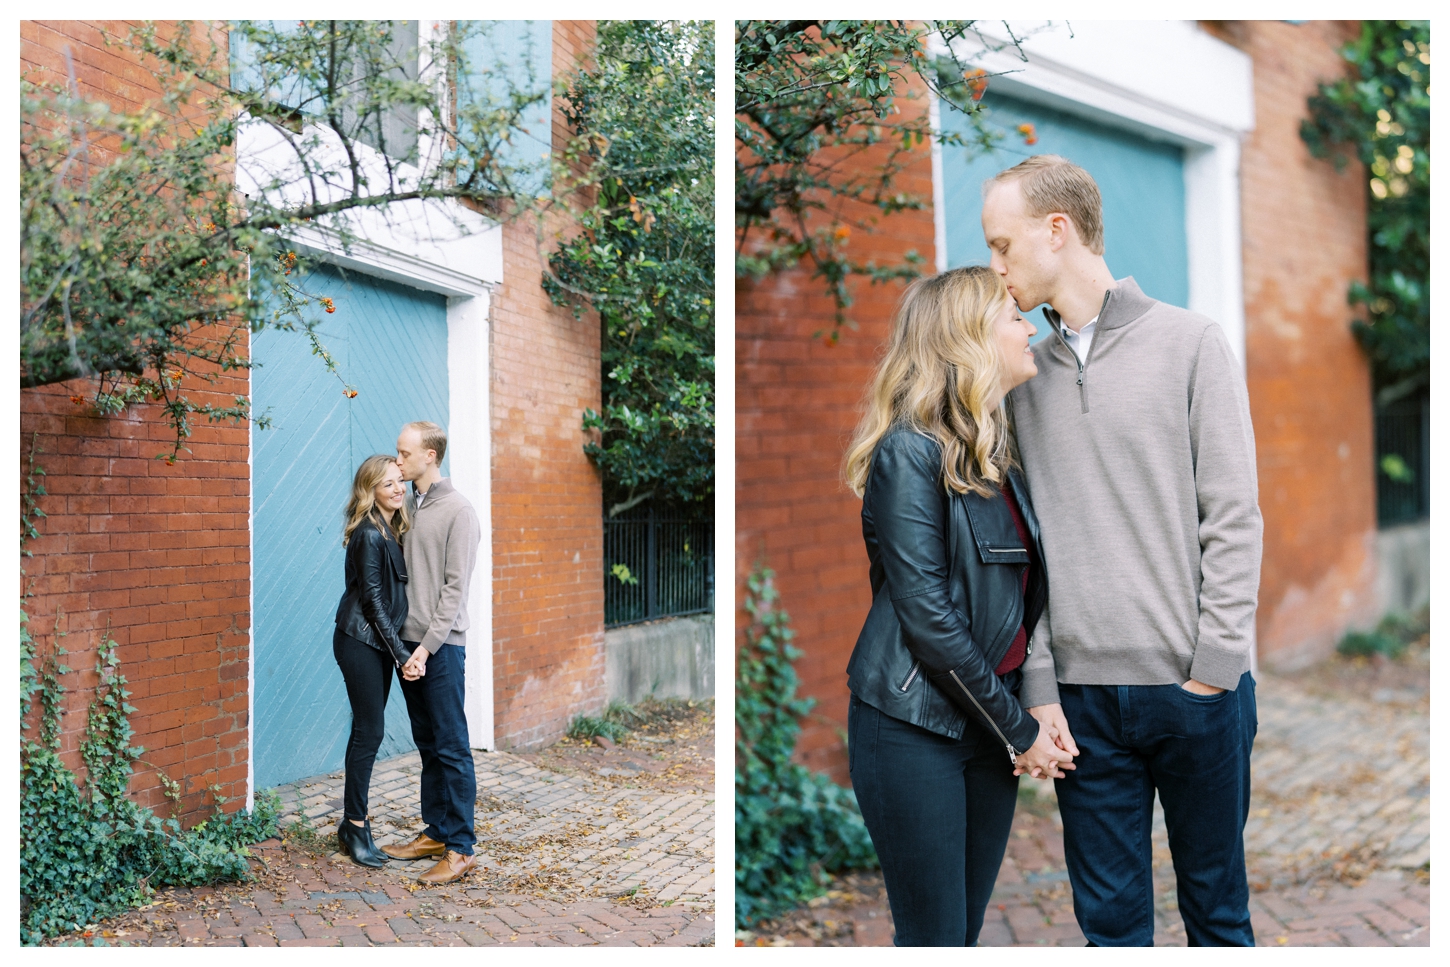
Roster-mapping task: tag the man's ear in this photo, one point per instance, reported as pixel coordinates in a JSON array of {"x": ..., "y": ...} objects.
[{"x": 1061, "y": 230}]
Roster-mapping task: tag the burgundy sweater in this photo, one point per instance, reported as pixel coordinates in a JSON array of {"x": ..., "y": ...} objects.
[{"x": 1017, "y": 651}]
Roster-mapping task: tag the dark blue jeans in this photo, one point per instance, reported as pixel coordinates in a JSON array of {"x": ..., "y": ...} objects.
[
  {"x": 368, "y": 675},
  {"x": 939, "y": 811},
  {"x": 1194, "y": 750},
  {"x": 435, "y": 709}
]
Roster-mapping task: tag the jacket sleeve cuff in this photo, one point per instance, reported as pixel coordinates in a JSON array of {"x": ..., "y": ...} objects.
[
  {"x": 1025, "y": 734},
  {"x": 1039, "y": 687},
  {"x": 1215, "y": 665}
]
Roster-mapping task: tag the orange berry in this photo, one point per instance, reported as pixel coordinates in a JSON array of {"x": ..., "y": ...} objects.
[{"x": 976, "y": 82}]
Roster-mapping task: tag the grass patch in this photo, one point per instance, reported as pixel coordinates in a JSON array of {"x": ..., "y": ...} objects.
[
  {"x": 616, "y": 721},
  {"x": 659, "y": 715},
  {"x": 307, "y": 839}
]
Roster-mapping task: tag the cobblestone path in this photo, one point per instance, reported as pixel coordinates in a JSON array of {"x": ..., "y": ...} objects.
[
  {"x": 565, "y": 860},
  {"x": 1337, "y": 842},
  {"x": 545, "y": 831}
]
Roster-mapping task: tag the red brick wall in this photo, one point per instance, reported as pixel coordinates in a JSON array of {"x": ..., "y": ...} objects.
[
  {"x": 548, "y": 537},
  {"x": 1309, "y": 381},
  {"x": 156, "y": 555},
  {"x": 797, "y": 401},
  {"x": 1304, "y": 239}
]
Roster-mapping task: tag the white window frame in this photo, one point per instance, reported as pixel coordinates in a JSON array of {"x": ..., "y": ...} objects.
[
  {"x": 420, "y": 245},
  {"x": 1164, "y": 80}
]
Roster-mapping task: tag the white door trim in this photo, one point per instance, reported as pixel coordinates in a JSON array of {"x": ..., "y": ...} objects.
[{"x": 465, "y": 269}]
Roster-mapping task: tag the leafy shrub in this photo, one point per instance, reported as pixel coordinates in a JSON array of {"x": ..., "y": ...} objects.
[
  {"x": 644, "y": 255},
  {"x": 1390, "y": 638},
  {"x": 793, "y": 827},
  {"x": 88, "y": 851}
]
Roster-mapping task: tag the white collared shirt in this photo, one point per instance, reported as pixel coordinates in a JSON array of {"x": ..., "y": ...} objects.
[{"x": 1082, "y": 340}]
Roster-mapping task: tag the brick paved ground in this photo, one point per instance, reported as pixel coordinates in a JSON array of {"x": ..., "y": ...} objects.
[
  {"x": 572, "y": 857},
  {"x": 1337, "y": 841}
]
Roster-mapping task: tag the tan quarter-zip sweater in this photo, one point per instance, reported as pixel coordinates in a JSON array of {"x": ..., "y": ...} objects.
[
  {"x": 440, "y": 550},
  {"x": 1140, "y": 464}
]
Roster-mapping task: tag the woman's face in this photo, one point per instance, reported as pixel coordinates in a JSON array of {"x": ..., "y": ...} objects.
[
  {"x": 1013, "y": 335},
  {"x": 390, "y": 491}
]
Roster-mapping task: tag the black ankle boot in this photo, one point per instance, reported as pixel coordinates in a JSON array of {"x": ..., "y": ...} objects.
[
  {"x": 357, "y": 842},
  {"x": 367, "y": 837}
]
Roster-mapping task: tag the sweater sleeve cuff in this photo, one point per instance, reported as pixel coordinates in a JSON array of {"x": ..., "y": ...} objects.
[
  {"x": 1039, "y": 687},
  {"x": 1215, "y": 665},
  {"x": 432, "y": 643}
]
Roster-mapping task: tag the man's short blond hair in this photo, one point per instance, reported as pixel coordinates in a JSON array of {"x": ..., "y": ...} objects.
[
  {"x": 1051, "y": 183},
  {"x": 433, "y": 436}
]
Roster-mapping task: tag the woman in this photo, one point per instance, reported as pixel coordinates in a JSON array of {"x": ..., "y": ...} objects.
[
  {"x": 365, "y": 642},
  {"x": 937, "y": 734}
]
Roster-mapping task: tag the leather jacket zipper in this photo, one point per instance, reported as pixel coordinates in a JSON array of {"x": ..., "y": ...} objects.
[
  {"x": 915, "y": 667},
  {"x": 1011, "y": 752}
]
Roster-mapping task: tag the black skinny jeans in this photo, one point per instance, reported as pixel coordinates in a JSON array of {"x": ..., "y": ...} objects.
[
  {"x": 368, "y": 673},
  {"x": 939, "y": 811}
]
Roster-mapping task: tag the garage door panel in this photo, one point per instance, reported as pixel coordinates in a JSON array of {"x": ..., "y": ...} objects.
[
  {"x": 399, "y": 363},
  {"x": 390, "y": 344}
]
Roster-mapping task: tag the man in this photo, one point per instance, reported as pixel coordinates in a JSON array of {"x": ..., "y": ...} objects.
[
  {"x": 440, "y": 550},
  {"x": 1138, "y": 450}
]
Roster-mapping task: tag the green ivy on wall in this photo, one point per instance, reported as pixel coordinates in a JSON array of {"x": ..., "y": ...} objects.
[
  {"x": 87, "y": 851},
  {"x": 1381, "y": 116},
  {"x": 793, "y": 827}
]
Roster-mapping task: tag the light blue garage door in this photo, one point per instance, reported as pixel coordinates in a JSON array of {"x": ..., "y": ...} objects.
[
  {"x": 1141, "y": 183},
  {"x": 391, "y": 345}
]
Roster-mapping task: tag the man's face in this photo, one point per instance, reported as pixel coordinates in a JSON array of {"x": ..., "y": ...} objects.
[
  {"x": 413, "y": 459},
  {"x": 1023, "y": 252}
]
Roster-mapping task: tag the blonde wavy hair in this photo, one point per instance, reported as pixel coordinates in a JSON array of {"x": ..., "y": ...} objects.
[
  {"x": 362, "y": 505},
  {"x": 940, "y": 369}
]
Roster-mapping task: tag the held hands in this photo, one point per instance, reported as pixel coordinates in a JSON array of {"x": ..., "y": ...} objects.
[
  {"x": 417, "y": 666},
  {"x": 1054, "y": 749}
]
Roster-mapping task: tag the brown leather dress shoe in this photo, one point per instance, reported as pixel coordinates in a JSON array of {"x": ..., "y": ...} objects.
[
  {"x": 451, "y": 867},
  {"x": 418, "y": 848}
]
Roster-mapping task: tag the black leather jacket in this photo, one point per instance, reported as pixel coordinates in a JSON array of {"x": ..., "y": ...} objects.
[
  {"x": 375, "y": 602},
  {"x": 947, "y": 600}
]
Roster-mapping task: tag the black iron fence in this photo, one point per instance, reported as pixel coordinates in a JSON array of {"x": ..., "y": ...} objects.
[
  {"x": 657, "y": 565},
  {"x": 1402, "y": 461}
]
